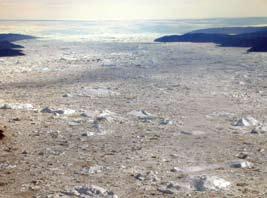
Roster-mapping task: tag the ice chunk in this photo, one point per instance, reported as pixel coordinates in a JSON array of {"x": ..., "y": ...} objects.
[
  {"x": 92, "y": 191},
  {"x": 142, "y": 115},
  {"x": 58, "y": 111},
  {"x": 241, "y": 164},
  {"x": 16, "y": 106},
  {"x": 209, "y": 183},
  {"x": 247, "y": 121},
  {"x": 170, "y": 188}
]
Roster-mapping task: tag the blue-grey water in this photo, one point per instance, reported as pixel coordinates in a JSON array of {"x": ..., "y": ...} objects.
[{"x": 124, "y": 31}]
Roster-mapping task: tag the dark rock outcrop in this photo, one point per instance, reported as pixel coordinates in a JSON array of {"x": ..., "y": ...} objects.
[
  {"x": 8, "y": 45},
  {"x": 256, "y": 41},
  {"x": 10, "y": 52},
  {"x": 7, "y": 48},
  {"x": 259, "y": 48}
]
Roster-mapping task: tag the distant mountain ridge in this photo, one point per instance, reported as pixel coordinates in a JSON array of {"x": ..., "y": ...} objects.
[
  {"x": 231, "y": 30},
  {"x": 15, "y": 37},
  {"x": 254, "y": 38}
]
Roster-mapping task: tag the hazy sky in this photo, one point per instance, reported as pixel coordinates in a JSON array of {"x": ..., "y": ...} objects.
[{"x": 130, "y": 9}]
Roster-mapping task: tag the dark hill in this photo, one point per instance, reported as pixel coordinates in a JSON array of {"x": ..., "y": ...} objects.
[
  {"x": 7, "y": 48},
  {"x": 256, "y": 41}
]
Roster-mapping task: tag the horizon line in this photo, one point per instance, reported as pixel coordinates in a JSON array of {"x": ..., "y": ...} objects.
[{"x": 166, "y": 19}]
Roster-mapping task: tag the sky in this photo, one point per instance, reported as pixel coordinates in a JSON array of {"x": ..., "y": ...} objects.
[{"x": 130, "y": 9}]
